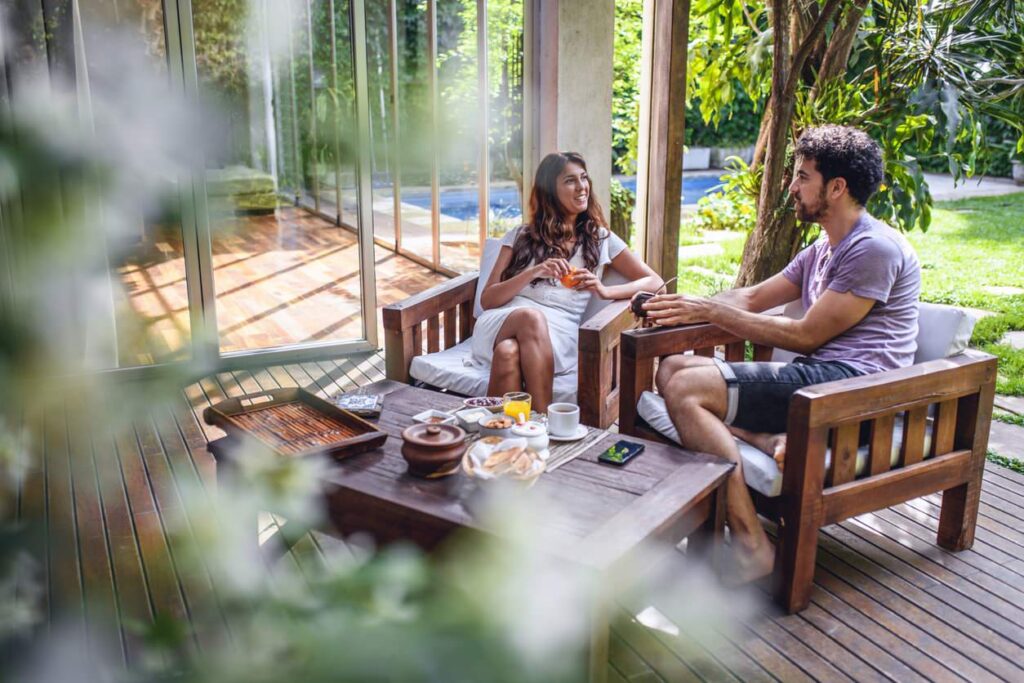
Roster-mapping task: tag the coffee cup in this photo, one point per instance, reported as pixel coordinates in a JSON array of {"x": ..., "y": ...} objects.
[{"x": 563, "y": 419}]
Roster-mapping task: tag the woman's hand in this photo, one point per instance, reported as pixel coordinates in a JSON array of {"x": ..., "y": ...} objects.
[
  {"x": 553, "y": 268},
  {"x": 586, "y": 280},
  {"x": 677, "y": 309}
]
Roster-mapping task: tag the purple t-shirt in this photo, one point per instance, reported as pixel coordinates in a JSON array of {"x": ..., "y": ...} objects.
[{"x": 874, "y": 262}]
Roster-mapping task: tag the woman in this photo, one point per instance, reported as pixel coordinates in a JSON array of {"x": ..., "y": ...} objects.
[{"x": 529, "y": 330}]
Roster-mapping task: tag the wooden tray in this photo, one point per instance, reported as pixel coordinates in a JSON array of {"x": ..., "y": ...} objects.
[{"x": 295, "y": 423}]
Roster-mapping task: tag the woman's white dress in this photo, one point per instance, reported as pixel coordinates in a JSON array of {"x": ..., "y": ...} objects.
[{"x": 562, "y": 306}]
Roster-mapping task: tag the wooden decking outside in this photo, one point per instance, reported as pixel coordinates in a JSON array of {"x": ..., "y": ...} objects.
[{"x": 887, "y": 604}]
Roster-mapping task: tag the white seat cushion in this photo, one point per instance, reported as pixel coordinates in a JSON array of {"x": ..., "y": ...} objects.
[
  {"x": 759, "y": 469},
  {"x": 447, "y": 369}
]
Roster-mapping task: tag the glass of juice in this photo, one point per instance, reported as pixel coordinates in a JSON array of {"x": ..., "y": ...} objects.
[{"x": 517, "y": 403}]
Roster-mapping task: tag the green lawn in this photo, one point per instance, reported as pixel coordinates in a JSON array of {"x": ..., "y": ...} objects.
[{"x": 973, "y": 255}]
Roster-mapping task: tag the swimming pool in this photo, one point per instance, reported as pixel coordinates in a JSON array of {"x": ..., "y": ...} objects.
[{"x": 463, "y": 203}]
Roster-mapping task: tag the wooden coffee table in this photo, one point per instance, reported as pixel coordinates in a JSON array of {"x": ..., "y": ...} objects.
[{"x": 665, "y": 493}]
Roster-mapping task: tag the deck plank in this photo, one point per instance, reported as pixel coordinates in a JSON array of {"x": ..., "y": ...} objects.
[{"x": 888, "y": 603}]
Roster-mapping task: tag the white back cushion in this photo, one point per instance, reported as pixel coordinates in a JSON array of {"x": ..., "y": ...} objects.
[
  {"x": 491, "y": 248},
  {"x": 943, "y": 331}
]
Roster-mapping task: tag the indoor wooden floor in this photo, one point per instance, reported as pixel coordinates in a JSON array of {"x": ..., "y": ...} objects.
[
  {"x": 281, "y": 279},
  {"x": 887, "y": 604}
]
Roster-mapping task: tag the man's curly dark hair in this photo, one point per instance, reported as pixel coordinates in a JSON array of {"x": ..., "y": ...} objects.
[{"x": 845, "y": 152}]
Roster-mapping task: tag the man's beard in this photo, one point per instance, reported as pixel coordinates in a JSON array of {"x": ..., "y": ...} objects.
[{"x": 815, "y": 216}]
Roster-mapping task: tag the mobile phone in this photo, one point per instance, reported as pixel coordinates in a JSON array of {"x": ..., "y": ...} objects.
[{"x": 621, "y": 452}]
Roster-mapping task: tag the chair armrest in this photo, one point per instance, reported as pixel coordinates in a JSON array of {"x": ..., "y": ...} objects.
[
  {"x": 962, "y": 386},
  {"x": 419, "y": 307},
  {"x": 598, "y": 382},
  {"x": 654, "y": 342},
  {"x": 868, "y": 396},
  {"x": 403, "y": 329}
]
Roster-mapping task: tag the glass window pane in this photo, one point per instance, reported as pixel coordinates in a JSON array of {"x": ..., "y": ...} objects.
[
  {"x": 383, "y": 137},
  {"x": 458, "y": 134},
  {"x": 505, "y": 127},
  {"x": 415, "y": 151},
  {"x": 283, "y": 274}
]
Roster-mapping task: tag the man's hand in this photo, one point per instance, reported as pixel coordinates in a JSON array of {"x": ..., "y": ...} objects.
[{"x": 678, "y": 309}]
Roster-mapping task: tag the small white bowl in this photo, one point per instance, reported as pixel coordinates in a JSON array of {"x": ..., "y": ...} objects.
[
  {"x": 495, "y": 404},
  {"x": 434, "y": 417},
  {"x": 469, "y": 418},
  {"x": 492, "y": 431}
]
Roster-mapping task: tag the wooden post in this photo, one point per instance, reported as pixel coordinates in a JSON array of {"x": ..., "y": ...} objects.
[{"x": 660, "y": 166}]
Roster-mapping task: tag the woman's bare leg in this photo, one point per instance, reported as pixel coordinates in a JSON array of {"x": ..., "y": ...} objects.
[
  {"x": 529, "y": 328},
  {"x": 505, "y": 372}
]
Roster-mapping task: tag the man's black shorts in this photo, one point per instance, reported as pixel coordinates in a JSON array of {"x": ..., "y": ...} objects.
[{"x": 759, "y": 393}]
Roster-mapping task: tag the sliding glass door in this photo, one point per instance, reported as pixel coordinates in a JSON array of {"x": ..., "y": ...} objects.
[{"x": 286, "y": 269}]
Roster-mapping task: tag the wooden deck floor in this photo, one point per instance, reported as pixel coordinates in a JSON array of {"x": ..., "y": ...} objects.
[{"x": 888, "y": 603}]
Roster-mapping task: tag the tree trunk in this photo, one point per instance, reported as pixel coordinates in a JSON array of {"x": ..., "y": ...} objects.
[
  {"x": 833, "y": 64},
  {"x": 770, "y": 245},
  {"x": 767, "y": 248}
]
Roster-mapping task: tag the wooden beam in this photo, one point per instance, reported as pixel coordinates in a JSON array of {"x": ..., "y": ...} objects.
[{"x": 662, "y": 146}]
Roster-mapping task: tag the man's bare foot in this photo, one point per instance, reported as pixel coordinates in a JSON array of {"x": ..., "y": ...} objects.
[
  {"x": 777, "y": 449},
  {"x": 748, "y": 566}
]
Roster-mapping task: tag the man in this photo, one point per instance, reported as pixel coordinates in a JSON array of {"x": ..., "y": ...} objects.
[{"x": 859, "y": 283}]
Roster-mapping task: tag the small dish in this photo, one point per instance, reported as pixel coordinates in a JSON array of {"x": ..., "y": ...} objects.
[
  {"x": 495, "y": 404},
  {"x": 434, "y": 417},
  {"x": 496, "y": 425},
  {"x": 469, "y": 418},
  {"x": 581, "y": 431}
]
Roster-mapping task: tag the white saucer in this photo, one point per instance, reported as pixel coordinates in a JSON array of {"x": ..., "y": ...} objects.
[{"x": 581, "y": 431}]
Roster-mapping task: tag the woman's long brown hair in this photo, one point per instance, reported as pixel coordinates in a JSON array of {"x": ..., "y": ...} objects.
[{"x": 545, "y": 235}]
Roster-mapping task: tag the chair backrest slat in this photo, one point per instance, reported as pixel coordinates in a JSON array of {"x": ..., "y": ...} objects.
[
  {"x": 914, "y": 424},
  {"x": 762, "y": 353},
  {"x": 944, "y": 429},
  {"x": 466, "y": 319},
  {"x": 450, "y": 330},
  {"x": 734, "y": 353},
  {"x": 880, "y": 448},
  {"x": 843, "y": 466},
  {"x": 417, "y": 339},
  {"x": 433, "y": 334},
  {"x": 708, "y": 351}
]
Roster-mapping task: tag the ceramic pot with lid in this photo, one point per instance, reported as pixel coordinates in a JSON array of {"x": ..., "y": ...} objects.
[
  {"x": 433, "y": 450},
  {"x": 535, "y": 433}
]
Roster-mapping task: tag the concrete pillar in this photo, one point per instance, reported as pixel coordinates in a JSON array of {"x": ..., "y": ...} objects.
[{"x": 569, "y": 45}]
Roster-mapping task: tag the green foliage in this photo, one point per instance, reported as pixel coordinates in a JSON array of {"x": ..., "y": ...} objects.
[
  {"x": 719, "y": 211},
  {"x": 735, "y": 125},
  {"x": 620, "y": 213},
  {"x": 1009, "y": 418},
  {"x": 1003, "y": 461},
  {"x": 931, "y": 82},
  {"x": 629, "y": 23}
]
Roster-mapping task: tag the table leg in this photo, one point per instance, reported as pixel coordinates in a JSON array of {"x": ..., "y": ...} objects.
[
  {"x": 708, "y": 541},
  {"x": 597, "y": 653}
]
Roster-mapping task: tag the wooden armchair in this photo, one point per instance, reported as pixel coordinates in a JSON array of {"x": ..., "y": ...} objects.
[
  {"x": 447, "y": 310},
  {"x": 821, "y": 481}
]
